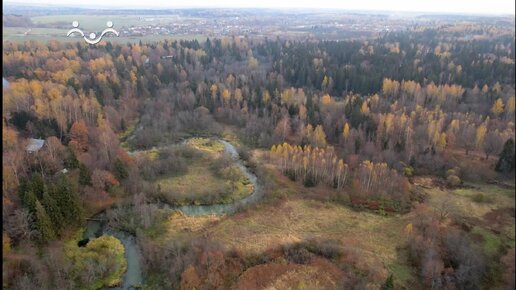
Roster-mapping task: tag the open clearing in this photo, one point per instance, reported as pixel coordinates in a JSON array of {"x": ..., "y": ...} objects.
[
  {"x": 201, "y": 184},
  {"x": 296, "y": 216}
]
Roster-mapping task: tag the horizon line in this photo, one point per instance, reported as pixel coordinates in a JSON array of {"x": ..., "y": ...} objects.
[{"x": 179, "y": 7}]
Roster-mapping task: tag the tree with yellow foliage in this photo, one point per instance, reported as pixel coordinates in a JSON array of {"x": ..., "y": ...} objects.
[
  {"x": 326, "y": 99},
  {"x": 226, "y": 96},
  {"x": 345, "y": 131},
  {"x": 480, "y": 136},
  {"x": 365, "y": 108},
  {"x": 441, "y": 143},
  {"x": 497, "y": 107}
]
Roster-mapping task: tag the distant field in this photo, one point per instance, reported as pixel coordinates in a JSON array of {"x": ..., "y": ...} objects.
[
  {"x": 92, "y": 23},
  {"x": 99, "y": 21},
  {"x": 15, "y": 36}
]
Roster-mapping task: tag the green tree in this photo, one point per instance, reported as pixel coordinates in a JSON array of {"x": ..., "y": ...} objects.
[
  {"x": 29, "y": 199},
  {"x": 37, "y": 185},
  {"x": 506, "y": 161},
  {"x": 84, "y": 175},
  {"x": 44, "y": 224},
  {"x": 68, "y": 201},
  {"x": 389, "y": 283},
  {"x": 53, "y": 211},
  {"x": 120, "y": 169},
  {"x": 71, "y": 161}
]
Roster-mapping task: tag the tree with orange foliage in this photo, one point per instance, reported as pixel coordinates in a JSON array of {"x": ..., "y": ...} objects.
[{"x": 79, "y": 136}]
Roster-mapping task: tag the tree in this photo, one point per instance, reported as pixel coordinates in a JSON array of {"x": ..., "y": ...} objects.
[
  {"x": 44, "y": 224},
  {"x": 506, "y": 161},
  {"x": 19, "y": 225},
  {"x": 28, "y": 197},
  {"x": 319, "y": 138},
  {"x": 6, "y": 244},
  {"x": 509, "y": 109},
  {"x": 498, "y": 107},
  {"x": 67, "y": 200},
  {"x": 79, "y": 136},
  {"x": 53, "y": 211},
  {"x": 441, "y": 143},
  {"x": 120, "y": 169},
  {"x": 389, "y": 283},
  {"x": 467, "y": 137},
  {"x": 480, "y": 136},
  {"x": 84, "y": 175},
  {"x": 492, "y": 143},
  {"x": 345, "y": 131}
]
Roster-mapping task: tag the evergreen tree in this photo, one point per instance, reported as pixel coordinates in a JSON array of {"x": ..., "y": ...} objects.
[
  {"x": 44, "y": 224},
  {"x": 53, "y": 211},
  {"x": 37, "y": 185},
  {"x": 84, "y": 175},
  {"x": 29, "y": 200},
  {"x": 71, "y": 161},
  {"x": 389, "y": 283},
  {"x": 120, "y": 170},
  {"x": 68, "y": 201},
  {"x": 506, "y": 162}
]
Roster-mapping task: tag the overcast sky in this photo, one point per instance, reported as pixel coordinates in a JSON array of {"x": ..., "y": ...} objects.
[{"x": 441, "y": 6}]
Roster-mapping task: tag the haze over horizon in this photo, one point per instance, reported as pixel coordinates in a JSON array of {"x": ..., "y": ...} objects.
[{"x": 501, "y": 7}]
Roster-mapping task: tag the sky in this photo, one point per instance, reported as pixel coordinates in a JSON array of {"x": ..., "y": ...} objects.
[{"x": 439, "y": 6}]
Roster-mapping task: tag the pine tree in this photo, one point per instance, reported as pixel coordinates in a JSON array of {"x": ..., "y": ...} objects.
[
  {"x": 53, "y": 211},
  {"x": 68, "y": 201},
  {"x": 44, "y": 224},
  {"x": 120, "y": 170},
  {"x": 29, "y": 199},
  {"x": 506, "y": 162},
  {"x": 37, "y": 185},
  {"x": 84, "y": 175},
  {"x": 389, "y": 283}
]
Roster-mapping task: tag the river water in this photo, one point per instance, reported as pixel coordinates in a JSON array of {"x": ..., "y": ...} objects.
[{"x": 133, "y": 277}]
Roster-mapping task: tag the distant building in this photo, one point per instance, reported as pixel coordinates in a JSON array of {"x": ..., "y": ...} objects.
[
  {"x": 5, "y": 83},
  {"x": 35, "y": 145}
]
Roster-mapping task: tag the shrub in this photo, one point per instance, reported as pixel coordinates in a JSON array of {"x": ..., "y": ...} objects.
[
  {"x": 480, "y": 197},
  {"x": 453, "y": 180},
  {"x": 297, "y": 254},
  {"x": 408, "y": 171},
  {"x": 310, "y": 181}
]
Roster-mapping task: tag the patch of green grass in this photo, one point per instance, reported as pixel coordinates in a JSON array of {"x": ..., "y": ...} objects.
[
  {"x": 201, "y": 186},
  {"x": 206, "y": 144},
  {"x": 480, "y": 197},
  {"x": 491, "y": 243},
  {"x": 127, "y": 133},
  {"x": 403, "y": 274}
]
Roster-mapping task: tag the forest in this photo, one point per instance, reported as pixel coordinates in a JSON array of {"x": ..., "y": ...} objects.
[{"x": 354, "y": 128}]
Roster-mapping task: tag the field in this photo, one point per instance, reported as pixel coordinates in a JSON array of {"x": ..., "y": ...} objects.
[
  {"x": 93, "y": 23},
  {"x": 201, "y": 184},
  {"x": 294, "y": 214}
]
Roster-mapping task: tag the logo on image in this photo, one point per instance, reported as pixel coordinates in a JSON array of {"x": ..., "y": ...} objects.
[{"x": 92, "y": 38}]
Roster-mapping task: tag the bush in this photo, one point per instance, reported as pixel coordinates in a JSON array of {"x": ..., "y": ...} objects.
[
  {"x": 310, "y": 181},
  {"x": 453, "y": 180},
  {"x": 408, "y": 171},
  {"x": 243, "y": 152},
  {"x": 297, "y": 254},
  {"x": 480, "y": 198},
  {"x": 291, "y": 174},
  {"x": 450, "y": 172}
]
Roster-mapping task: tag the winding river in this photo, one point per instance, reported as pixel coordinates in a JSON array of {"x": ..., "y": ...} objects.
[{"x": 133, "y": 277}]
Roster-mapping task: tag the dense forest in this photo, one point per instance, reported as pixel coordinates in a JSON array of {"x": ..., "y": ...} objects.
[{"x": 361, "y": 117}]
